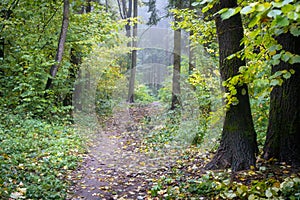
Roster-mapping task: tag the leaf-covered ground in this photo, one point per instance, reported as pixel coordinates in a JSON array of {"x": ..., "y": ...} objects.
[
  {"x": 35, "y": 156},
  {"x": 118, "y": 165},
  {"x": 127, "y": 159}
]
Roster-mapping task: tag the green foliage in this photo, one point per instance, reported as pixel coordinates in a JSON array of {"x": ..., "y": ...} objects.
[
  {"x": 203, "y": 31},
  {"x": 28, "y": 59},
  {"x": 263, "y": 22},
  {"x": 35, "y": 157},
  {"x": 102, "y": 82},
  {"x": 142, "y": 94},
  {"x": 106, "y": 91}
]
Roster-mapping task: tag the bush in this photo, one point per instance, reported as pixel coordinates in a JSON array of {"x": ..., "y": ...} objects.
[{"x": 142, "y": 94}]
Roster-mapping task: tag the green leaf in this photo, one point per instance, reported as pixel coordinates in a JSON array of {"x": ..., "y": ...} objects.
[
  {"x": 207, "y": 8},
  {"x": 244, "y": 92},
  {"x": 292, "y": 15},
  {"x": 292, "y": 71},
  {"x": 286, "y": 56},
  {"x": 288, "y": 8},
  {"x": 230, "y": 12},
  {"x": 254, "y": 33},
  {"x": 276, "y": 57},
  {"x": 281, "y": 4},
  {"x": 274, "y": 82},
  {"x": 281, "y": 21},
  {"x": 246, "y": 10},
  {"x": 196, "y": 4},
  {"x": 287, "y": 75},
  {"x": 274, "y": 13},
  {"x": 274, "y": 47},
  {"x": 254, "y": 21},
  {"x": 295, "y": 59},
  {"x": 295, "y": 31},
  {"x": 277, "y": 74},
  {"x": 204, "y": 1},
  {"x": 263, "y": 7}
]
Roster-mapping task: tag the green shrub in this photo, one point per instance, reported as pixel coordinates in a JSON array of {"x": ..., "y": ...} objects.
[{"x": 142, "y": 94}]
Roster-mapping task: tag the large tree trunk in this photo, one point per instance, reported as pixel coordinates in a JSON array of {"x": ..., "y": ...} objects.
[
  {"x": 238, "y": 143},
  {"x": 61, "y": 43},
  {"x": 283, "y": 134},
  {"x": 176, "y": 101},
  {"x": 133, "y": 56}
]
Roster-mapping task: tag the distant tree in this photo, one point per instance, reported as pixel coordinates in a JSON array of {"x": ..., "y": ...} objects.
[
  {"x": 191, "y": 48},
  {"x": 133, "y": 56},
  {"x": 154, "y": 18},
  {"x": 125, "y": 10},
  {"x": 238, "y": 143},
  {"x": 176, "y": 90},
  {"x": 283, "y": 136},
  {"x": 61, "y": 43}
]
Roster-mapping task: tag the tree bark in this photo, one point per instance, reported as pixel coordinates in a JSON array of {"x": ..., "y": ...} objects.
[
  {"x": 283, "y": 134},
  {"x": 191, "y": 49},
  {"x": 238, "y": 143},
  {"x": 191, "y": 56},
  {"x": 133, "y": 56},
  {"x": 61, "y": 43},
  {"x": 176, "y": 101}
]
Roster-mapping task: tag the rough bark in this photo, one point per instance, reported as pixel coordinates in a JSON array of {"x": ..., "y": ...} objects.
[
  {"x": 175, "y": 101},
  {"x": 238, "y": 143},
  {"x": 133, "y": 56},
  {"x": 283, "y": 134},
  {"x": 61, "y": 43}
]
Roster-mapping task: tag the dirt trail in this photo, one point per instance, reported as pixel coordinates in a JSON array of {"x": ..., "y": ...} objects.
[{"x": 115, "y": 167}]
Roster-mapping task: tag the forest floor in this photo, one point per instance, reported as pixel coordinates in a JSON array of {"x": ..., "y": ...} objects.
[
  {"x": 118, "y": 164},
  {"x": 121, "y": 163}
]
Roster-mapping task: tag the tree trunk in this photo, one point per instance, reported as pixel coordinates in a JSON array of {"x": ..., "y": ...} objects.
[
  {"x": 283, "y": 134},
  {"x": 61, "y": 44},
  {"x": 75, "y": 59},
  {"x": 74, "y": 71},
  {"x": 176, "y": 101},
  {"x": 106, "y": 5},
  {"x": 191, "y": 56},
  {"x": 133, "y": 56},
  {"x": 238, "y": 143},
  {"x": 191, "y": 48}
]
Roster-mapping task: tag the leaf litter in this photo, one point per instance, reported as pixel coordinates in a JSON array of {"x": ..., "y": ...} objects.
[
  {"x": 116, "y": 165},
  {"x": 122, "y": 164}
]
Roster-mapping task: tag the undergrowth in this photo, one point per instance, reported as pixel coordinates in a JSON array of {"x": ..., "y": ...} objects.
[
  {"x": 35, "y": 157},
  {"x": 189, "y": 180}
]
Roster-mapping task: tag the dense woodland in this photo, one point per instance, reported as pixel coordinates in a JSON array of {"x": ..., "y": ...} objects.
[{"x": 212, "y": 113}]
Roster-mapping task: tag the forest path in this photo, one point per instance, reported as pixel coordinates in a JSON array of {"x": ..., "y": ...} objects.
[{"x": 116, "y": 167}]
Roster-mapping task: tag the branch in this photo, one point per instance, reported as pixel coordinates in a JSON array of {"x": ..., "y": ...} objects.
[{"x": 118, "y": 1}]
